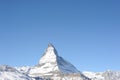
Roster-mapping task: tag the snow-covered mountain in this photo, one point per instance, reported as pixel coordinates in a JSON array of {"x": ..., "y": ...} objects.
[
  {"x": 53, "y": 67},
  {"x": 107, "y": 75},
  {"x": 10, "y": 73}
]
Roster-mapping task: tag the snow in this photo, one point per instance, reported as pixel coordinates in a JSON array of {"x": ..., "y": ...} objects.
[
  {"x": 66, "y": 67},
  {"x": 23, "y": 69},
  {"x": 10, "y": 73},
  {"x": 107, "y": 75},
  {"x": 93, "y": 75},
  {"x": 49, "y": 56}
]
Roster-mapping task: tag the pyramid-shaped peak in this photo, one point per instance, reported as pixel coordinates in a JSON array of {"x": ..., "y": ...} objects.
[
  {"x": 50, "y": 55},
  {"x": 52, "y": 65}
]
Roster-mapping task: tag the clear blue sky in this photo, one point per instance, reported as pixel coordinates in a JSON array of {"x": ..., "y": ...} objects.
[{"x": 84, "y": 32}]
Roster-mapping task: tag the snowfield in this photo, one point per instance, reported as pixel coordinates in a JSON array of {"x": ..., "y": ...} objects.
[{"x": 10, "y": 73}]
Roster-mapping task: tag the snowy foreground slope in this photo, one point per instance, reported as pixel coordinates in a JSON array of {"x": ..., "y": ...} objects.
[
  {"x": 107, "y": 75},
  {"x": 53, "y": 67},
  {"x": 9, "y": 73}
]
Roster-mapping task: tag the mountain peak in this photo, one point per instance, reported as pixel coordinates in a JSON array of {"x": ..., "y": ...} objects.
[
  {"x": 50, "y": 49},
  {"x": 50, "y": 45},
  {"x": 52, "y": 64},
  {"x": 50, "y": 55}
]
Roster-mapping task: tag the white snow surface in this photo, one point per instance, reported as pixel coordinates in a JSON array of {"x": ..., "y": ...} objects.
[
  {"x": 10, "y": 73},
  {"x": 107, "y": 75},
  {"x": 94, "y": 75},
  {"x": 24, "y": 69},
  {"x": 50, "y": 55}
]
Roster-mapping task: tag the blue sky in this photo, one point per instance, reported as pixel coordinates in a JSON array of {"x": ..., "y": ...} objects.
[{"x": 84, "y": 32}]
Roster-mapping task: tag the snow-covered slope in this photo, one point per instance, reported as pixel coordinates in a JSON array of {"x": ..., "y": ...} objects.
[
  {"x": 23, "y": 69},
  {"x": 52, "y": 65},
  {"x": 10, "y": 73},
  {"x": 94, "y": 75},
  {"x": 107, "y": 75}
]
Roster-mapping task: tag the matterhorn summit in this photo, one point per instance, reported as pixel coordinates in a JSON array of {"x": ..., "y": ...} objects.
[
  {"x": 52, "y": 66},
  {"x": 50, "y": 55}
]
